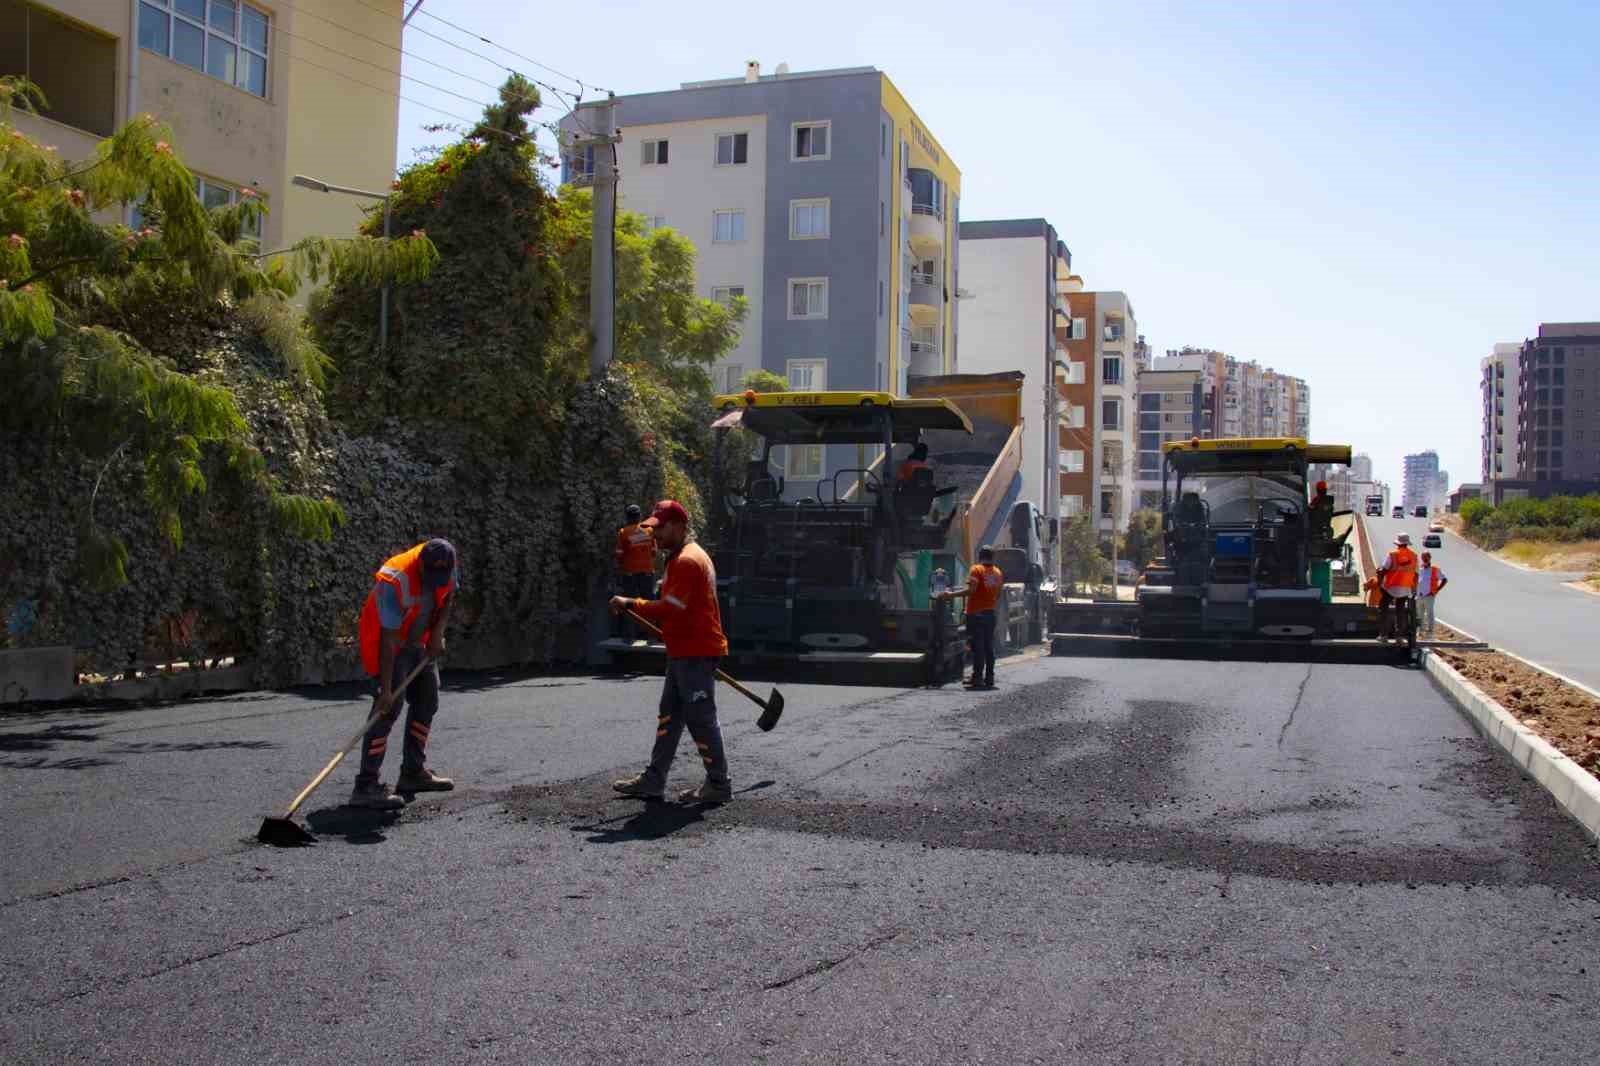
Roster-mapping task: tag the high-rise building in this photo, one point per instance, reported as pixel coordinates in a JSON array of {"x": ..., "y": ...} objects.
[
  {"x": 1011, "y": 273},
  {"x": 1244, "y": 399},
  {"x": 1497, "y": 441},
  {"x": 822, "y": 199},
  {"x": 246, "y": 110},
  {"x": 1558, "y": 409},
  {"x": 1102, "y": 334},
  {"x": 1421, "y": 483},
  {"x": 1361, "y": 467},
  {"x": 1169, "y": 410}
]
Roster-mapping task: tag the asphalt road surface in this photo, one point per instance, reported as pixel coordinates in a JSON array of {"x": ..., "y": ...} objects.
[
  {"x": 1528, "y": 612},
  {"x": 1104, "y": 861}
]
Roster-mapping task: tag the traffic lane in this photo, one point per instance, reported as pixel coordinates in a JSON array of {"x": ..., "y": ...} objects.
[
  {"x": 1528, "y": 612},
  {"x": 97, "y": 794},
  {"x": 473, "y": 934}
]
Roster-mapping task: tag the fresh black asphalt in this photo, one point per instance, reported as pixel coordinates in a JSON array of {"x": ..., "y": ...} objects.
[{"x": 1103, "y": 861}]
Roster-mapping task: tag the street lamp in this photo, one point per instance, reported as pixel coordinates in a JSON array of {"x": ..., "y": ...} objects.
[{"x": 322, "y": 186}]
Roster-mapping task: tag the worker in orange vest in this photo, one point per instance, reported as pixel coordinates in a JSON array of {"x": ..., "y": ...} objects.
[
  {"x": 1398, "y": 576},
  {"x": 984, "y": 583},
  {"x": 402, "y": 624},
  {"x": 690, "y": 621},
  {"x": 636, "y": 559},
  {"x": 918, "y": 460}
]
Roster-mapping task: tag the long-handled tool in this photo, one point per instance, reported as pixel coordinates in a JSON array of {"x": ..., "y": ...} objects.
[
  {"x": 284, "y": 832},
  {"x": 771, "y": 707}
]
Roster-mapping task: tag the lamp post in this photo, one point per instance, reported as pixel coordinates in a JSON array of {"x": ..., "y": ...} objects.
[{"x": 322, "y": 186}]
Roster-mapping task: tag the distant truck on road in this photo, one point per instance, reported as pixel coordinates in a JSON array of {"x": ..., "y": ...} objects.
[{"x": 1374, "y": 506}]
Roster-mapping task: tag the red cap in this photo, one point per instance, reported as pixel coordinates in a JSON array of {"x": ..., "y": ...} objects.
[
  {"x": 667, "y": 511},
  {"x": 1322, "y": 486}
]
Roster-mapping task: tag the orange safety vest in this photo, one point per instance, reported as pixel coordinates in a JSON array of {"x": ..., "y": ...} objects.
[
  {"x": 909, "y": 468},
  {"x": 1400, "y": 570},
  {"x": 1435, "y": 579},
  {"x": 404, "y": 572},
  {"x": 636, "y": 549}
]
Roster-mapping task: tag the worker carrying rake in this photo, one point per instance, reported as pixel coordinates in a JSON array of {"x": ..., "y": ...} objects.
[
  {"x": 402, "y": 633},
  {"x": 690, "y": 622}
]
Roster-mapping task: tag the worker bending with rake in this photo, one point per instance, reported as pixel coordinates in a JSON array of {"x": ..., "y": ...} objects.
[
  {"x": 402, "y": 626},
  {"x": 984, "y": 583},
  {"x": 691, "y": 627}
]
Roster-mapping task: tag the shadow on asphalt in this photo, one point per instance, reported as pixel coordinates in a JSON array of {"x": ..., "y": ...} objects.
[
  {"x": 658, "y": 819},
  {"x": 357, "y": 825}
]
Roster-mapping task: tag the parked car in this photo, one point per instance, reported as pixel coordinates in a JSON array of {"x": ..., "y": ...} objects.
[
  {"x": 1436, "y": 526},
  {"x": 1432, "y": 540},
  {"x": 1399, "y": 512}
]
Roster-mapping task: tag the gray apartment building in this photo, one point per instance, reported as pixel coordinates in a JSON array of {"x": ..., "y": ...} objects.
[
  {"x": 1558, "y": 411},
  {"x": 823, "y": 201}
]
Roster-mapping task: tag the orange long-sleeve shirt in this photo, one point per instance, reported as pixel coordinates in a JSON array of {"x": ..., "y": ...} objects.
[
  {"x": 687, "y": 612},
  {"x": 636, "y": 550}
]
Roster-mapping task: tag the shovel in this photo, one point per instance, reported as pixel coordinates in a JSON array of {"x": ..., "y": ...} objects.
[
  {"x": 771, "y": 707},
  {"x": 284, "y": 832}
]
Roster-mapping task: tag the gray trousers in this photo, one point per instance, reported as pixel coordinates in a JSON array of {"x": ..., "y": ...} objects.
[
  {"x": 689, "y": 700},
  {"x": 421, "y": 700}
]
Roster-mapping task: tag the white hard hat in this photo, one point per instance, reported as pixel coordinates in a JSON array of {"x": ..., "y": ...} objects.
[{"x": 1403, "y": 539}]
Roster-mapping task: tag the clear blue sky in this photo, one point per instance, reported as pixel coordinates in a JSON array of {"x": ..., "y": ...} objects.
[{"x": 1366, "y": 195}]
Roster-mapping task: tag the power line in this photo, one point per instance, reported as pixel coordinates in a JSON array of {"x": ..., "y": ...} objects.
[{"x": 509, "y": 51}]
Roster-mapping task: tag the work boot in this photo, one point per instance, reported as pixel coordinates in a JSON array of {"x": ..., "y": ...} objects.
[
  {"x": 375, "y": 796},
  {"x": 706, "y": 793},
  {"x": 423, "y": 780},
  {"x": 639, "y": 785}
]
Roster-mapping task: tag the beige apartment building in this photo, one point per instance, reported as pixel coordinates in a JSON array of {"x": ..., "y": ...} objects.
[{"x": 254, "y": 93}]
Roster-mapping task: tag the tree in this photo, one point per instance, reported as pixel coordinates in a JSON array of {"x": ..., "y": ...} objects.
[
  {"x": 1081, "y": 560},
  {"x": 1142, "y": 542},
  {"x": 91, "y": 312}
]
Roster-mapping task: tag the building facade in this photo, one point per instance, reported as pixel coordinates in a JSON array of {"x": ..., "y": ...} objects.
[
  {"x": 1558, "y": 411},
  {"x": 1421, "y": 481},
  {"x": 1245, "y": 399},
  {"x": 1170, "y": 410},
  {"x": 819, "y": 197},
  {"x": 253, "y": 94},
  {"x": 1011, "y": 271},
  {"x": 1497, "y": 386},
  {"x": 1103, "y": 335},
  {"x": 1079, "y": 383}
]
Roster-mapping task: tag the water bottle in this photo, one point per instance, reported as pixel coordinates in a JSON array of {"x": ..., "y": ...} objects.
[{"x": 939, "y": 583}]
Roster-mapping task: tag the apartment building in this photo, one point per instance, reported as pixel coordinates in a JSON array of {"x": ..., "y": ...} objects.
[
  {"x": 1011, "y": 273},
  {"x": 1102, "y": 334},
  {"x": 822, "y": 199},
  {"x": 1421, "y": 480},
  {"x": 1078, "y": 378},
  {"x": 1245, "y": 399},
  {"x": 1558, "y": 411},
  {"x": 254, "y": 93},
  {"x": 1170, "y": 410},
  {"x": 1498, "y": 387}
]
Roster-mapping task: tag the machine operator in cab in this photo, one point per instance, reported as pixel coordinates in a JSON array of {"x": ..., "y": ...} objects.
[
  {"x": 984, "y": 583},
  {"x": 918, "y": 460}
]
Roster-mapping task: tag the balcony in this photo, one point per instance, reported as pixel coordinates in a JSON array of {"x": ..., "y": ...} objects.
[
  {"x": 927, "y": 212},
  {"x": 926, "y": 298}
]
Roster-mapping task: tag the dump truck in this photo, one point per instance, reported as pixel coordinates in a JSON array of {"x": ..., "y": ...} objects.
[
  {"x": 838, "y": 575},
  {"x": 1244, "y": 564}
]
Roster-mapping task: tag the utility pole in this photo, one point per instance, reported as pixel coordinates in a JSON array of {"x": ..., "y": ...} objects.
[{"x": 602, "y": 262}]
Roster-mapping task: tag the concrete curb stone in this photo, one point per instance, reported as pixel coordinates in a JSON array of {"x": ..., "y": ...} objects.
[{"x": 1573, "y": 788}]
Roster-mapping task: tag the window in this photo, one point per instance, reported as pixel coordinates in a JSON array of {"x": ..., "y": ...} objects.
[
  {"x": 652, "y": 222},
  {"x": 805, "y": 460},
  {"x": 1108, "y": 503},
  {"x": 75, "y": 68},
  {"x": 224, "y": 38},
  {"x": 655, "y": 153},
  {"x": 733, "y": 149},
  {"x": 1071, "y": 505},
  {"x": 810, "y": 140},
  {"x": 727, "y": 226},
  {"x": 808, "y": 375},
  {"x": 808, "y": 297},
  {"x": 580, "y": 164},
  {"x": 1111, "y": 370},
  {"x": 883, "y": 222},
  {"x": 726, "y": 294},
  {"x": 808, "y": 219},
  {"x": 883, "y": 140},
  {"x": 1080, "y": 329},
  {"x": 1113, "y": 329},
  {"x": 212, "y": 194},
  {"x": 880, "y": 298},
  {"x": 1111, "y": 414},
  {"x": 1072, "y": 460},
  {"x": 732, "y": 377},
  {"x": 1073, "y": 374}
]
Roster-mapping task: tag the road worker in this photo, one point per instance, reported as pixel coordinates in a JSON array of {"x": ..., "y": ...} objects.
[
  {"x": 1398, "y": 576},
  {"x": 1430, "y": 582},
  {"x": 984, "y": 584},
  {"x": 1321, "y": 513},
  {"x": 917, "y": 460},
  {"x": 691, "y": 627},
  {"x": 636, "y": 560},
  {"x": 402, "y": 625}
]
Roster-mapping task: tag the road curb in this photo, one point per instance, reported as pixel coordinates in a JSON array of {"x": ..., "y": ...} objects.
[
  {"x": 1574, "y": 790},
  {"x": 1579, "y": 685}
]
